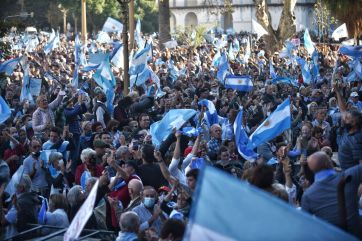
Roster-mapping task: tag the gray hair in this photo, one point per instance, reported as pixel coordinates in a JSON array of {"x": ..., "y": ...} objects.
[
  {"x": 121, "y": 151},
  {"x": 129, "y": 222},
  {"x": 87, "y": 153},
  {"x": 24, "y": 181},
  {"x": 74, "y": 195},
  {"x": 55, "y": 156},
  {"x": 92, "y": 180}
]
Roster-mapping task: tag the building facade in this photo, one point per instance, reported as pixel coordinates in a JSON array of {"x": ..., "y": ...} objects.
[{"x": 199, "y": 12}]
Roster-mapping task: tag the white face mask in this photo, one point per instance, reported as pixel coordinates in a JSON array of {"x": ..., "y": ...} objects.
[{"x": 12, "y": 145}]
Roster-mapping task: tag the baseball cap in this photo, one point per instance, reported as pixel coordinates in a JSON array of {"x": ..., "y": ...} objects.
[{"x": 354, "y": 94}]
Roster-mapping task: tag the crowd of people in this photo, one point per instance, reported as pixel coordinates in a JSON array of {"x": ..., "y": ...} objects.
[{"x": 58, "y": 145}]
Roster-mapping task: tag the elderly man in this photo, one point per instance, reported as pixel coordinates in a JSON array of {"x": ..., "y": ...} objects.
[
  {"x": 148, "y": 211},
  {"x": 129, "y": 224},
  {"x": 324, "y": 198},
  {"x": 43, "y": 116},
  {"x": 135, "y": 188},
  {"x": 214, "y": 144}
]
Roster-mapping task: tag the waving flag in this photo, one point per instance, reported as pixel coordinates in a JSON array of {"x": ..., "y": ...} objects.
[
  {"x": 174, "y": 118},
  {"x": 241, "y": 83},
  {"x": 245, "y": 209},
  {"x": 139, "y": 61},
  {"x": 308, "y": 44},
  {"x": 43, "y": 211},
  {"x": 307, "y": 77},
  {"x": 170, "y": 44},
  {"x": 340, "y": 32},
  {"x": 117, "y": 57},
  {"x": 211, "y": 117},
  {"x": 141, "y": 78},
  {"x": 247, "y": 51},
  {"x": 272, "y": 73},
  {"x": 5, "y": 111},
  {"x": 223, "y": 68},
  {"x": 274, "y": 125},
  {"x": 103, "y": 38},
  {"x": 242, "y": 139},
  {"x": 137, "y": 35},
  {"x": 112, "y": 25},
  {"x": 25, "y": 89},
  {"x": 191, "y": 131},
  {"x": 315, "y": 65},
  {"x": 236, "y": 45},
  {"x": 52, "y": 44},
  {"x": 284, "y": 80},
  {"x": 352, "y": 51},
  {"x": 258, "y": 29},
  {"x": 9, "y": 65},
  {"x": 216, "y": 59}
]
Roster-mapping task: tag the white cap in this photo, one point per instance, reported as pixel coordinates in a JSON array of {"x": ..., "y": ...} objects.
[{"x": 354, "y": 94}]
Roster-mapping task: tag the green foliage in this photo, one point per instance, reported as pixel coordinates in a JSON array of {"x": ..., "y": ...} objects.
[
  {"x": 184, "y": 35},
  {"x": 322, "y": 19},
  {"x": 147, "y": 12}
]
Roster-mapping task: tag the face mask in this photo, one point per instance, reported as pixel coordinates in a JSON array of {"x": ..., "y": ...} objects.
[
  {"x": 36, "y": 154},
  {"x": 149, "y": 202},
  {"x": 348, "y": 126},
  {"x": 12, "y": 145},
  {"x": 28, "y": 125}
]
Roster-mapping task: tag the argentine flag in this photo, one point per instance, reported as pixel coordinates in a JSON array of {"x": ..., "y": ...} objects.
[
  {"x": 340, "y": 32},
  {"x": 52, "y": 44},
  {"x": 352, "y": 51},
  {"x": 308, "y": 44},
  {"x": 241, "y": 83},
  {"x": 112, "y": 25},
  {"x": 272, "y": 73},
  {"x": 258, "y": 29},
  {"x": 139, "y": 61},
  {"x": 223, "y": 68},
  {"x": 117, "y": 58},
  {"x": 274, "y": 125},
  {"x": 9, "y": 65},
  {"x": 175, "y": 118},
  {"x": 242, "y": 139},
  {"x": 211, "y": 117},
  {"x": 227, "y": 209},
  {"x": 191, "y": 131},
  {"x": 5, "y": 111},
  {"x": 284, "y": 80}
]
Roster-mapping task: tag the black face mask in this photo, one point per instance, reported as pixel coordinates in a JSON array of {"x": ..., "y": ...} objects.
[
  {"x": 36, "y": 155},
  {"x": 348, "y": 126}
]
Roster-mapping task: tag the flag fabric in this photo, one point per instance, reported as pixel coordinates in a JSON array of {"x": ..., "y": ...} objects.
[
  {"x": 220, "y": 43},
  {"x": 245, "y": 209},
  {"x": 141, "y": 78},
  {"x": 216, "y": 59},
  {"x": 284, "y": 80},
  {"x": 223, "y": 68},
  {"x": 352, "y": 51},
  {"x": 308, "y": 44},
  {"x": 191, "y": 131},
  {"x": 9, "y": 65},
  {"x": 211, "y": 117},
  {"x": 231, "y": 53},
  {"x": 117, "y": 57},
  {"x": 170, "y": 44},
  {"x": 242, "y": 139},
  {"x": 90, "y": 67},
  {"x": 97, "y": 58},
  {"x": 236, "y": 45},
  {"x": 247, "y": 51},
  {"x": 307, "y": 77},
  {"x": 139, "y": 61},
  {"x": 103, "y": 38},
  {"x": 53, "y": 43},
  {"x": 241, "y": 83},
  {"x": 25, "y": 89},
  {"x": 5, "y": 111},
  {"x": 340, "y": 32},
  {"x": 16, "y": 177},
  {"x": 272, "y": 73},
  {"x": 174, "y": 118},
  {"x": 137, "y": 35},
  {"x": 81, "y": 218},
  {"x": 42, "y": 212},
  {"x": 274, "y": 125},
  {"x": 75, "y": 78},
  {"x": 315, "y": 65},
  {"x": 258, "y": 29},
  {"x": 112, "y": 25},
  {"x": 35, "y": 86}
]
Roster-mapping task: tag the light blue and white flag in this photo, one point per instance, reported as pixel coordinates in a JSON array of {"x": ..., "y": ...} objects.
[
  {"x": 245, "y": 209},
  {"x": 32, "y": 43},
  {"x": 352, "y": 51},
  {"x": 236, "y": 45},
  {"x": 242, "y": 139},
  {"x": 274, "y": 125},
  {"x": 137, "y": 35},
  {"x": 231, "y": 52},
  {"x": 90, "y": 67},
  {"x": 216, "y": 59},
  {"x": 308, "y": 44},
  {"x": 211, "y": 117},
  {"x": 103, "y": 38},
  {"x": 223, "y": 68},
  {"x": 340, "y": 32},
  {"x": 247, "y": 51},
  {"x": 53, "y": 43},
  {"x": 307, "y": 77},
  {"x": 315, "y": 65},
  {"x": 5, "y": 111},
  {"x": 35, "y": 86},
  {"x": 75, "y": 79},
  {"x": 272, "y": 73},
  {"x": 174, "y": 118},
  {"x": 9, "y": 65},
  {"x": 42, "y": 212},
  {"x": 97, "y": 58},
  {"x": 191, "y": 131},
  {"x": 112, "y": 25},
  {"x": 258, "y": 29},
  {"x": 141, "y": 78},
  {"x": 220, "y": 43},
  {"x": 285, "y": 80},
  {"x": 139, "y": 61},
  {"x": 25, "y": 89},
  {"x": 117, "y": 58},
  {"x": 241, "y": 83}
]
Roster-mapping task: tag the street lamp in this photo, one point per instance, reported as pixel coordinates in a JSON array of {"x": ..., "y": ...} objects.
[
  {"x": 124, "y": 9},
  {"x": 64, "y": 11},
  {"x": 21, "y": 15}
]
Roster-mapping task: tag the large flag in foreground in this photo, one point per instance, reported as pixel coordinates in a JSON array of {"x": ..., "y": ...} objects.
[
  {"x": 5, "y": 111},
  {"x": 239, "y": 211},
  {"x": 274, "y": 125},
  {"x": 9, "y": 65},
  {"x": 308, "y": 44},
  {"x": 175, "y": 118},
  {"x": 352, "y": 51},
  {"x": 112, "y": 25}
]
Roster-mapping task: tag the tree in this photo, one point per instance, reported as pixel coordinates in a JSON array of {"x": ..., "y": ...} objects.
[
  {"x": 147, "y": 12},
  {"x": 349, "y": 12},
  {"x": 322, "y": 19},
  {"x": 286, "y": 28},
  {"x": 164, "y": 28}
]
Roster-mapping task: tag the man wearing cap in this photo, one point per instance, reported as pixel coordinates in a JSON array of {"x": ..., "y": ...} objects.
[
  {"x": 356, "y": 103},
  {"x": 101, "y": 113}
]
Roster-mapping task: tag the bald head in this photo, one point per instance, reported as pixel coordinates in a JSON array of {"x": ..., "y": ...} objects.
[
  {"x": 319, "y": 161},
  {"x": 135, "y": 188}
]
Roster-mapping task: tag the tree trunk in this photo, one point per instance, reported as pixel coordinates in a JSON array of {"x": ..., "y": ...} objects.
[
  {"x": 164, "y": 22},
  {"x": 286, "y": 28}
]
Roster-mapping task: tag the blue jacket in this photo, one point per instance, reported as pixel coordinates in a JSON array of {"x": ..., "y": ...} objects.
[{"x": 72, "y": 116}]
